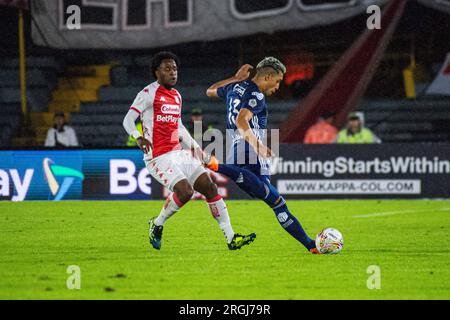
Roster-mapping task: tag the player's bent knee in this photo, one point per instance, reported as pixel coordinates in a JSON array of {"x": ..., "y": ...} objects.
[
  {"x": 184, "y": 191},
  {"x": 211, "y": 190},
  {"x": 206, "y": 187}
]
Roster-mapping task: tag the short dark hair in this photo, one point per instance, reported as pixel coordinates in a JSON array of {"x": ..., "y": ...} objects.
[{"x": 159, "y": 57}]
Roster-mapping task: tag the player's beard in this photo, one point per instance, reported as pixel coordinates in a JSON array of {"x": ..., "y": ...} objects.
[{"x": 170, "y": 83}]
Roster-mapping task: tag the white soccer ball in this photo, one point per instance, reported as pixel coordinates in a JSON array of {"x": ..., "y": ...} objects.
[{"x": 329, "y": 241}]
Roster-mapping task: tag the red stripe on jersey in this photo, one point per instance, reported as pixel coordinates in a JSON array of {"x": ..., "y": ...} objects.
[
  {"x": 166, "y": 114},
  {"x": 133, "y": 108}
]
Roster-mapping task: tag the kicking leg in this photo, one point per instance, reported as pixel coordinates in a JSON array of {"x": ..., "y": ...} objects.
[
  {"x": 287, "y": 220},
  {"x": 219, "y": 211},
  {"x": 252, "y": 184}
]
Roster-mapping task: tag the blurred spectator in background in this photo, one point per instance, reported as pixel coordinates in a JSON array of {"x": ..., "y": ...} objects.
[
  {"x": 323, "y": 131},
  {"x": 197, "y": 121},
  {"x": 61, "y": 135},
  {"x": 131, "y": 140},
  {"x": 356, "y": 132}
]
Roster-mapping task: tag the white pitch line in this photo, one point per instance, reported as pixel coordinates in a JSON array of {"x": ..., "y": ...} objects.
[{"x": 390, "y": 213}]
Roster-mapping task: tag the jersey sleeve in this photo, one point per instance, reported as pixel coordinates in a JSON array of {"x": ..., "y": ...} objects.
[
  {"x": 222, "y": 91},
  {"x": 140, "y": 103},
  {"x": 252, "y": 102}
]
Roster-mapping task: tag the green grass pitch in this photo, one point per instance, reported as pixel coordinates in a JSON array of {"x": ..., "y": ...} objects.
[{"x": 408, "y": 241}]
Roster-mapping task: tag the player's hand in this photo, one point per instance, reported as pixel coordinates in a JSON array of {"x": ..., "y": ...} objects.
[
  {"x": 243, "y": 73},
  {"x": 264, "y": 151},
  {"x": 144, "y": 144},
  {"x": 198, "y": 154}
]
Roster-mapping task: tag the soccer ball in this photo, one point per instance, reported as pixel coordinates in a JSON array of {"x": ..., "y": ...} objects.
[{"x": 329, "y": 240}]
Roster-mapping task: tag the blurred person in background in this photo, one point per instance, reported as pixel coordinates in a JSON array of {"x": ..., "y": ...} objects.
[
  {"x": 323, "y": 131},
  {"x": 355, "y": 132},
  {"x": 198, "y": 120},
  {"x": 61, "y": 135}
]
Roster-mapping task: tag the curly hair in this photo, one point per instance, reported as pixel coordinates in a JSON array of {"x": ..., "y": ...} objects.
[{"x": 158, "y": 59}]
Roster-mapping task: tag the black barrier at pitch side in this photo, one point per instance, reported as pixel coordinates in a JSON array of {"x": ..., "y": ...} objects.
[
  {"x": 363, "y": 171},
  {"x": 396, "y": 171}
]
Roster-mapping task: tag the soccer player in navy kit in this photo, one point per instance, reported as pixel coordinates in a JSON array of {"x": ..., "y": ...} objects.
[{"x": 247, "y": 116}]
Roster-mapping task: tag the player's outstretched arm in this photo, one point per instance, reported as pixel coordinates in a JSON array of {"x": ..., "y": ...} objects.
[
  {"x": 242, "y": 123},
  {"x": 242, "y": 74}
]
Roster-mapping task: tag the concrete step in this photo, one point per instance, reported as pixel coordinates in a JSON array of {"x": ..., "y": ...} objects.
[
  {"x": 64, "y": 106},
  {"x": 83, "y": 83},
  {"x": 79, "y": 94}
]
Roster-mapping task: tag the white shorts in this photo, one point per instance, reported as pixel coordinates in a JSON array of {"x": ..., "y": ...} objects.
[{"x": 172, "y": 167}]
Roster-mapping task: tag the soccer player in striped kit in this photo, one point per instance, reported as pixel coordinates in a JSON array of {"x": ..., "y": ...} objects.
[{"x": 167, "y": 147}]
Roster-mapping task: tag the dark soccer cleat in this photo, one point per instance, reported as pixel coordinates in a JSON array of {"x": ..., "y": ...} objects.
[
  {"x": 155, "y": 234},
  {"x": 240, "y": 241}
]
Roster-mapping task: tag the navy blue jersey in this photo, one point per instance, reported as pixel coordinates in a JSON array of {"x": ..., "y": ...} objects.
[
  {"x": 238, "y": 95},
  {"x": 244, "y": 94}
]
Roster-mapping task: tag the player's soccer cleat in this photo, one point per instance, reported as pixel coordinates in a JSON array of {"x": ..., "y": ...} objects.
[
  {"x": 155, "y": 234},
  {"x": 240, "y": 240},
  {"x": 314, "y": 251},
  {"x": 211, "y": 162}
]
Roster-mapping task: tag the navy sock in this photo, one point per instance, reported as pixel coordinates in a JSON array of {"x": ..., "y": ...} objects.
[
  {"x": 292, "y": 225},
  {"x": 252, "y": 184}
]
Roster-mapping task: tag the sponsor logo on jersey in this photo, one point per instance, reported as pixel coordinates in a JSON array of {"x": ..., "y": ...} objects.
[
  {"x": 252, "y": 103},
  {"x": 170, "y": 109},
  {"x": 240, "y": 90},
  {"x": 161, "y": 118},
  {"x": 258, "y": 95}
]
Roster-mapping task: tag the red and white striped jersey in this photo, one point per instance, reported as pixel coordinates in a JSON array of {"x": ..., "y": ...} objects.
[{"x": 160, "y": 112}]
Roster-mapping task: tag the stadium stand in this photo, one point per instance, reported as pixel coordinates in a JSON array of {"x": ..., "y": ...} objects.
[
  {"x": 41, "y": 79},
  {"x": 422, "y": 120},
  {"x": 96, "y": 97},
  {"x": 100, "y": 123}
]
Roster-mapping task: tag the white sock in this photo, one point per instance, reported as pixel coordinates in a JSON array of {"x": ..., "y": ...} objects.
[
  {"x": 171, "y": 206},
  {"x": 219, "y": 211}
]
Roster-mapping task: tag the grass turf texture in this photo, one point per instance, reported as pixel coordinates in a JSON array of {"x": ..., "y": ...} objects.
[{"x": 109, "y": 241}]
